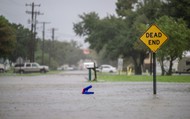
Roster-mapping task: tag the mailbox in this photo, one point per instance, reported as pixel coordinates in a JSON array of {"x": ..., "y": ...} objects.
[{"x": 89, "y": 65}]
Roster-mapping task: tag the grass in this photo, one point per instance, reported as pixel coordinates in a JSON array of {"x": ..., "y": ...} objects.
[{"x": 143, "y": 78}]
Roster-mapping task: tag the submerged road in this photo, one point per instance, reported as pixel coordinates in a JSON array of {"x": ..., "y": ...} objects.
[{"x": 59, "y": 97}]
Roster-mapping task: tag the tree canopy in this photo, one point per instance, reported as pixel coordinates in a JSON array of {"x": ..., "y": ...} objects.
[
  {"x": 178, "y": 33},
  {"x": 7, "y": 37},
  {"x": 22, "y": 42},
  {"x": 177, "y": 9}
]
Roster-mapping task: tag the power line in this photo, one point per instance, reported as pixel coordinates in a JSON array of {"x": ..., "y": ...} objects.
[{"x": 33, "y": 26}]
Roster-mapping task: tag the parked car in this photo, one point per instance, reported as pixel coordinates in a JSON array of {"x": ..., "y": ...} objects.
[
  {"x": 30, "y": 67},
  {"x": 106, "y": 68},
  {"x": 4, "y": 68}
]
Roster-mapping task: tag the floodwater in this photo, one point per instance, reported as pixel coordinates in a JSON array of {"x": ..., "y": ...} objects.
[{"x": 60, "y": 97}]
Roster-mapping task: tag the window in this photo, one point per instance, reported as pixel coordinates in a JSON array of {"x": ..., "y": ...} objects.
[
  {"x": 34, "y": 65},
  {"x": 28, "y": 65},
  {"x": 19, "y": 65}
]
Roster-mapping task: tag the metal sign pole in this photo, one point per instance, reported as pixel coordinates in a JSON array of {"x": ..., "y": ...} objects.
[{"x": 154, "y": 73}]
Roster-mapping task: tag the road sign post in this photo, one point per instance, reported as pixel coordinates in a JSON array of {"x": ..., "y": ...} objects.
[
  {"x": 154, "y": 38},
  {"x": 154, "y": 73}
]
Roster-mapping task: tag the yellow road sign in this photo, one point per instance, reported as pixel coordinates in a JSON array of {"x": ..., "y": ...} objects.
[{"x": 153, "y": 38}]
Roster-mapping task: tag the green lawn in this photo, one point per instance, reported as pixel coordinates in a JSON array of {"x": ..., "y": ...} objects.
[{"x": 142, "y": 78}]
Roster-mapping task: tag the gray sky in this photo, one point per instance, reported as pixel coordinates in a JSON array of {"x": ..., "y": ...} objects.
[{"x": 61, "y": 13}]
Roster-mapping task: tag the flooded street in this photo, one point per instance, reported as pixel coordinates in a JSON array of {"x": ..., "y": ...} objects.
[{"x": 59, "y": 97}]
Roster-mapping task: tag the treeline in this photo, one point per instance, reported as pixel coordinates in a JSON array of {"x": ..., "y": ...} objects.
[
  {"x": 118, "y": 35},
  {"x": 15, "y": 43}
]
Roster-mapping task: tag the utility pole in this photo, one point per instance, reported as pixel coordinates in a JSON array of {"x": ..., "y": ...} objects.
[
  {"x": 36, "y": 22},
  {"x": 32, "y": 40},
  {"x": 53, "y": 38},
  {"x": 43, "y": 37},
  {"x": 51, "y": 48}
]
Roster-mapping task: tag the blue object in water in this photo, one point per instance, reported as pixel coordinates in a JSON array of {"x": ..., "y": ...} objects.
[{"x": 85, "y": 90}]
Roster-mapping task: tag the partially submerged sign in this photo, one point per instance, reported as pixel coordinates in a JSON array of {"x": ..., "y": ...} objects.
[{"x": 153, "y": 38}]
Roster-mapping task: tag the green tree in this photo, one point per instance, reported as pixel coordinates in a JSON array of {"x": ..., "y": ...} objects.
[
  {"x": 98, "y": 32},
  {"x": 7, "y": 38},
  {"x": 125, "y": 8},
  {"x": 113, "y": 35},
  {"x": 150, "y": 8},
  {"x": 177, "y": 9},
  {"x": 178, "y": 34},
  {"x": 22, "y": 41},
  {"x": 136, "y": 15}
]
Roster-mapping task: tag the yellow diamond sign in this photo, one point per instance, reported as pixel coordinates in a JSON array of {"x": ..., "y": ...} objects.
[{"x": 153, "y": 38}]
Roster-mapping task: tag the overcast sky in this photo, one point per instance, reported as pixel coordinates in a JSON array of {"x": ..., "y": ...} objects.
[{"x": 61, "y": 13}]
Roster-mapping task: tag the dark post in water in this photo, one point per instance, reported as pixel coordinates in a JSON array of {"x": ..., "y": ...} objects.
[{"x": 154, "y": 73}]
